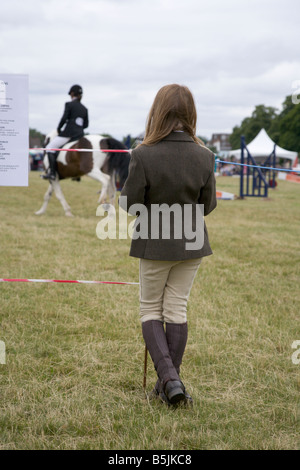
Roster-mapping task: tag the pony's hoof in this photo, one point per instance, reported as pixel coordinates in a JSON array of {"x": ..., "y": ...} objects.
[
  {"x": 69, "y": 214},
  {"x": 39, "y": 212}
]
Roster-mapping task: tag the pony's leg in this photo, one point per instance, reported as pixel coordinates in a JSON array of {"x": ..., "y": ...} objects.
[
  {"x": 111, "y": 190},
  {"x": 104, "y": 180},
  {"x": 60, "y": 196},
  {"x": 47, "y": 197}
]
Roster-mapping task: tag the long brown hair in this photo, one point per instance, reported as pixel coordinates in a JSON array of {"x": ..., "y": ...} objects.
[{"x": 173, "y": 109}]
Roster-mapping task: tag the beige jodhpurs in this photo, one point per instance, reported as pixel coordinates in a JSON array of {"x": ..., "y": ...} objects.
[{"x": 165, "y": 288}]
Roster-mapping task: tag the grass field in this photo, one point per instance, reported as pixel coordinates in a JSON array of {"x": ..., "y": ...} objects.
[{"x": 74, "y": 353}]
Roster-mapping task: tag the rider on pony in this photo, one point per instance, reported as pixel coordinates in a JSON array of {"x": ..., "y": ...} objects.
[{"x": 75, "y": 119}]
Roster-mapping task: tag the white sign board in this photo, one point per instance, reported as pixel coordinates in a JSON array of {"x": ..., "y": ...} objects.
[{"x": 14, "y": 130}]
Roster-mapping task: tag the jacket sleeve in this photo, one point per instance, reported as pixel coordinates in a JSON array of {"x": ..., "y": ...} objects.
[
  {"x": 86, "y": 120},
  {"x": 208, "y": 196},
  {"x": 135, "y": 185},
  {"x": 64, "y": 118}
]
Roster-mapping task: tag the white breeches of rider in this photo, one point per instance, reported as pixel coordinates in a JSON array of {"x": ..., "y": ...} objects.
[{"x": 57, "y": 143}]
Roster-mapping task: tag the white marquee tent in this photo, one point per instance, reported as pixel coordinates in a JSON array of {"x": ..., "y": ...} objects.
[{"x": 262, "y": 146}]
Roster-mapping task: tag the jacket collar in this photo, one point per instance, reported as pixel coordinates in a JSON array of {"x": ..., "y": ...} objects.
[{"x": 178, "y": 137}]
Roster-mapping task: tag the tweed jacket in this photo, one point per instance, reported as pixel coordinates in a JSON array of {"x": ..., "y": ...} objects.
[
  {"x": 75, "y": 119},
  {"x": 176, "y": 170}
]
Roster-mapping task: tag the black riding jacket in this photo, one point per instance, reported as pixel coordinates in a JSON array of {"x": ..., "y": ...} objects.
[{"x": 76, "y": 119}]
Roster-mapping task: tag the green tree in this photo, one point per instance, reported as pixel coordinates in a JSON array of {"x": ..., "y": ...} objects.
[
  {"x": 283, "y": 127},
  {"x": 287, "y": 106},
  {"x": 262, "y": 117},
  {"x": 36, "y": 134},
  {"x": 289, "y": 128},
  {"x": 36, "y": 138}
]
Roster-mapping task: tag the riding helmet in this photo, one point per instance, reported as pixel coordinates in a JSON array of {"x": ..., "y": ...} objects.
[{"x": 76, "y": 89}]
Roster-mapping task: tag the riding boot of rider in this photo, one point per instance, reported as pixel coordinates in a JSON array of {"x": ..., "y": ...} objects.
[
  {"x": 156, "y": 342},
  {"x": 51, "y": 174},
  {"x": 176, "y": 335}
]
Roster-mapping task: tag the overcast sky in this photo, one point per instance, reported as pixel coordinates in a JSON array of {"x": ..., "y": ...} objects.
[{"x": 232, "y": 54}]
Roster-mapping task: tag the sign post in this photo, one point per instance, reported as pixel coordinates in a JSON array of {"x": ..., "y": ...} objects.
[{"x": 14, "y": 130}]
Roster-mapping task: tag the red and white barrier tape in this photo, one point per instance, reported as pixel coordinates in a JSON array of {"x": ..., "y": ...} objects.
[
  {"x": 128, "y": 151},
  {"x": 82, "y": 150},
  {"x": 69, "y": 282}
]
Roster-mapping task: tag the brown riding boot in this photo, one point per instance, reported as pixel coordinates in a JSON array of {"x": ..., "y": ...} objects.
[
  {"x": 156, "y": 342},
  {"x": 177, "y": 334}
]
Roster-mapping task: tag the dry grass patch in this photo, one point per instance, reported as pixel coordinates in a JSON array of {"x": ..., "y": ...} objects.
[{"x": 73, "y": 378}]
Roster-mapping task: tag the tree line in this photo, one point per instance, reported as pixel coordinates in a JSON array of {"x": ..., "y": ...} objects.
[{"x": 283, "y": 127}]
